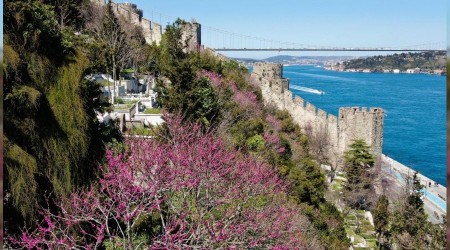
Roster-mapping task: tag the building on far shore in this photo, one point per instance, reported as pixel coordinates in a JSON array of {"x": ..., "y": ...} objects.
[
  {"x": 413, "y": 71},
  {"x": 439, "y": 72}
]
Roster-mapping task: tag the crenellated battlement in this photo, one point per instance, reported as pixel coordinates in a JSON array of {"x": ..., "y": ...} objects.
[
  {"x": 351, "y": 123},
  {"x": 346, "y": 111},
  {"x": 332, "y": 119},
  {"x": 321, "y": 114},
  {"x": 299, "y": 101},
  {"x": 310, "y": 107},
  {"x": 268, "y": 70}
]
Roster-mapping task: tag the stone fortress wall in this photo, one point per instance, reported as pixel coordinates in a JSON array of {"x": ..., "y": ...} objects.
[
  {"x": 153, "y": 31},
  {"x": 135, "y": 16},
  {"x": 352, "y": 123}
]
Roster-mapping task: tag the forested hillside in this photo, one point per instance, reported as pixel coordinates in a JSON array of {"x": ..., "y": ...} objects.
[
  {"x": 223, "y": 172},
  {"x": 53, "y": 141},
  {"x": 426, "y": 61}
]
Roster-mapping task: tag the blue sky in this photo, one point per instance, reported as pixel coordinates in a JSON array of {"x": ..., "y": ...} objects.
[{"x": 348, "y": 23}]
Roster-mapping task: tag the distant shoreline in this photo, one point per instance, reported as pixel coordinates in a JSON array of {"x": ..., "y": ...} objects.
[{"x": 443, "y": 73}]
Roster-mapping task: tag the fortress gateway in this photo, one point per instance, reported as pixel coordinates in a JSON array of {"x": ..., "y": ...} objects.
[{"x": 352, "y": 123}]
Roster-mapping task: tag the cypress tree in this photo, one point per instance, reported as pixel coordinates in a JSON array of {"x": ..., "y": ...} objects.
[
  {"x": 357, "y": 162},
  {"x": 381, "y": 218}
]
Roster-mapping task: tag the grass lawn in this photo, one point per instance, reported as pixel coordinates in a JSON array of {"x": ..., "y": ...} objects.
[
  {"x": 152, "y": 111},
  {"x": 127, "y": 71},
  {"x": 141, "y": 131}
]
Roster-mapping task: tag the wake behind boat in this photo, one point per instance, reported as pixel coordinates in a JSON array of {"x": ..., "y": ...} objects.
[{"x": 309, "y": 90}]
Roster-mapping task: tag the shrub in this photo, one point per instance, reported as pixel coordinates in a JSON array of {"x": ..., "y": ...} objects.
[
  {"x": 255, "y": 143},
  {"x": 119, "y": 100}
]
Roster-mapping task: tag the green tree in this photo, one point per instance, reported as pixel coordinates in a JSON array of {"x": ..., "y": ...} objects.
[
  {"x": 381, "y": 218},
  {"x": 438, "y": 234},
  {"x": 67, "y": 12},
  {"x": 244, "y": 129},
  {"x": 172, "y": 57},
  {"x": 413, "y": 206},
  {"x": 358, "y": 160},
  {"x": 184, "y": 93},
  {"x": 414, "y": 199},
  {"x": 409, "y": 225},
  {"x": 308, "y": 183},
  {"x": 359, "y": 155},
  {"x": 329, "y": 223},
  {"x": 107, "y": 30}
]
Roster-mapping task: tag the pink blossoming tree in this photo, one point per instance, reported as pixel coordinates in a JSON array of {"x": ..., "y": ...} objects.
[
  {"x": 205, "y": 196},
  {"x": 245, "y": 99}
]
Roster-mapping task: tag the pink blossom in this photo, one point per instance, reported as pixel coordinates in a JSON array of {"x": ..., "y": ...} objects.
[
  {"x": 215, "y": 79},
  {"x": 274, "y": 141},
  {"x": 203, "y": 191},
  {"x": 245, "y": 98},
  {"x": 274, "y": 122}
]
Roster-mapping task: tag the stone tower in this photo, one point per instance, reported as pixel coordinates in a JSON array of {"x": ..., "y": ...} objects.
[
  {"x": 268, "y": 70},
  {"x": 355, "y": 123},
  {"x": 351, "y": 123},
  {"x": 192, "y": 35}
]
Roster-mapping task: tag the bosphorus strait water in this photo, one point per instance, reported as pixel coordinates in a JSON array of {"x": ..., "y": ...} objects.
[{"x": 414, "y": 105}]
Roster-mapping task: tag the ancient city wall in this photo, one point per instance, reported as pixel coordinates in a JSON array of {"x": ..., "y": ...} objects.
[
  {"x": 153, "y": 31},
  {"x": 156, "y": 33},
  {"x": 351, "y": 123},
  {"x": 129, "y": 11}
]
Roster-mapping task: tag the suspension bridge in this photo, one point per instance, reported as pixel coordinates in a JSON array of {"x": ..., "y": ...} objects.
[{"x": 222, "y": 40}]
